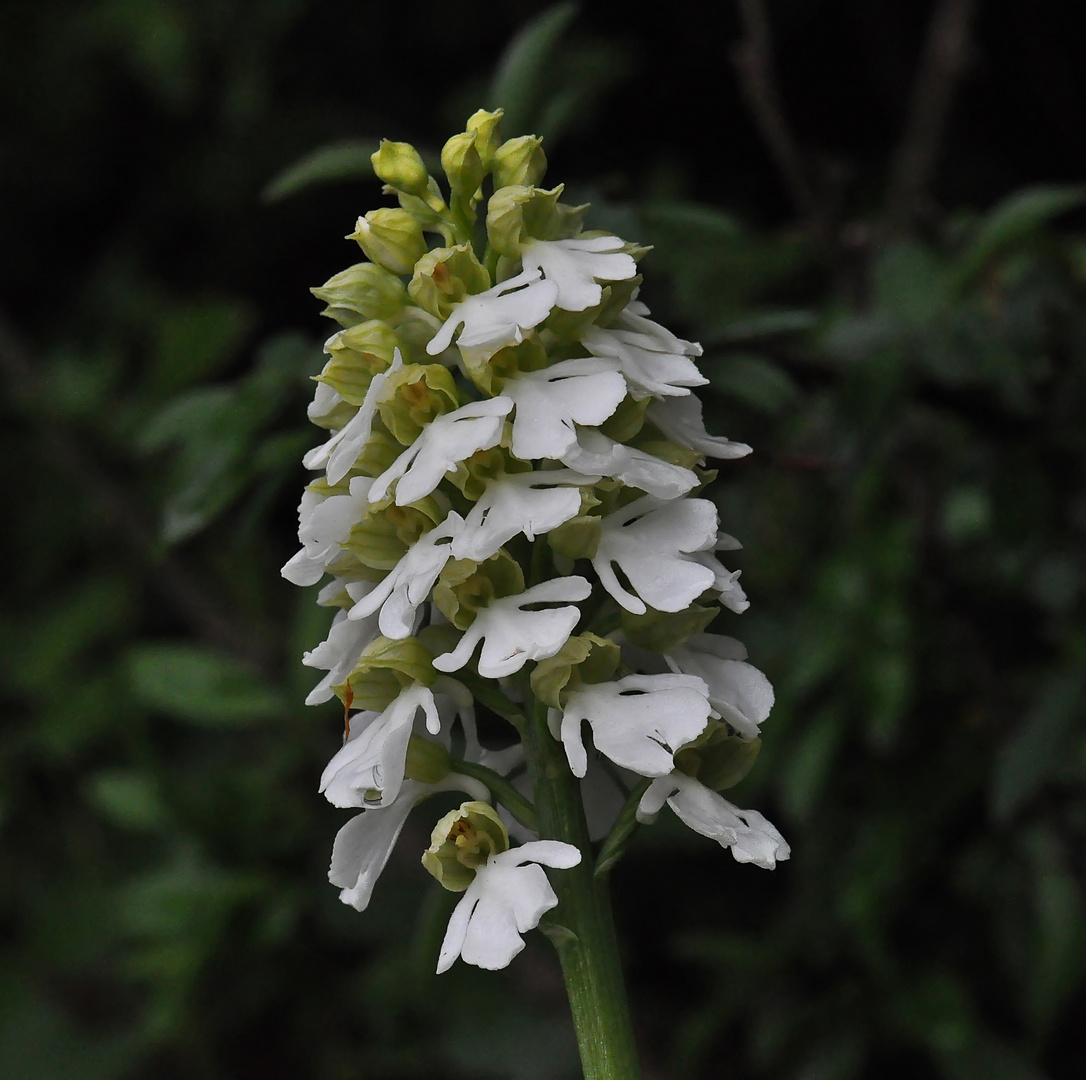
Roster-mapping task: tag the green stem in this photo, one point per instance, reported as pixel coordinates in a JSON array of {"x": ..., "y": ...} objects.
[
  {"x": 503, "y": 791},
  {"x": 589, "y": 951}
]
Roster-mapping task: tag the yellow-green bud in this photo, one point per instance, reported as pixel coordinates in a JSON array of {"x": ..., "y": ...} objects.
[
  {"x": 519, "y": 161},
  {"x": 445, "y": 276},
  {"x": 386, "y": 666},
  {"x": 362, "y": 291},
  {"x": 662, "y": 631},
  {"x": 401, "y": 167},
  {"x": 385, "y": 532},
  {"x": 462, "y": 841},
  {"x": 462, "y": 164},
  {"x": 584, "y": 659},
  {"x": 413, "y": 396},
  {"x": 464, "y": 587},
  {"x": 484, "y": 125},
  {"x": 505, "y": 219},
  {"x": 427, "y": 762},
  {"x": 357, "y": 354},
  {"x": 717, "y": 758},
  {"x": 390, "y": 237}
]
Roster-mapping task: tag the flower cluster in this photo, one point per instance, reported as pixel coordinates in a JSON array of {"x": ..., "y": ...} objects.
[{"x": 507, "y": 498}]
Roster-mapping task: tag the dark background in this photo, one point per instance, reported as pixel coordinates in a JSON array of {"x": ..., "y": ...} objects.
[{"x": 889, "y": 282}]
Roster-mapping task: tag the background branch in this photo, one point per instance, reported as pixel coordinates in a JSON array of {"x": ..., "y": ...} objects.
[
  {"x": 941, "y": 66},
  {"x": 753, "y": 61}
]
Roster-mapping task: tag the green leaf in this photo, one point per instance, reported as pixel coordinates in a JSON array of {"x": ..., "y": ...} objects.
[
  {"x": 1015, "y": 218},
  {"x": 518, "y": 81},
  {"x": 196, "y": 341},
  {"x": 334, "y": 163},
  {"x": 128, "y": 799},
  {"x": 200, "y": 686},
  {"x": 1036, "y": 748},
  {"x": 754, "y": 381}
]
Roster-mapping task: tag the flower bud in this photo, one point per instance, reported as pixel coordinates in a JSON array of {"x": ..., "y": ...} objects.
[
  {"x": 427, "y": 762},
  {"x": 391, "y": 238},
  {"x": 385, "y": 667},
  {"x": 505, "y": 219},
  {"x": 462, "y": 841},
  {"x": 484, "y": 125},
  {"x": 445, "y": 276},
  {"x": 519, "y": 161},
  {"x": 363, "y": 291},
  {"x": 462, "y": 164},
  {"x": 718, "y": 759},
  {"x": 357, "y": 354},
  {"x": 399, "y": 165}
]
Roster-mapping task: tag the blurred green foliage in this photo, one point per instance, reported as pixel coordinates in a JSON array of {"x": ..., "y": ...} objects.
[{"x": 915, "y": 516}]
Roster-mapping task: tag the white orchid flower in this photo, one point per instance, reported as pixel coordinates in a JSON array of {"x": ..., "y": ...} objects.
[
  {"x": 362, "y": 847},
  {"x": 444, "y": 442},
  {"x": 369, "y": 768},
  {"x": 499, "y": 317},
  {"x": 339, "y": 652},
  {"x": 584, "y": 390},
  {"x": 324, "y": 523},
  {"x": 738, "y": 691},
  {"x": 511, "y": 636},
  {"x": 342, "y": 450},
  {"x": 638, "y": 722},
  {"x": 725, "y": 581},
  {"x": 531, "y": 503},
  {"x": 680, "y": 419},
  {"x": 575, "y": 265},
  {"x": 507, "y": 897},
  {"x": 653, "y": 360},
  {"x": 651, "y": 542},
  {"x": 408, "y": 584},
  {"x": 746, "y": 832},
  {"x": 594, "y": 452}
]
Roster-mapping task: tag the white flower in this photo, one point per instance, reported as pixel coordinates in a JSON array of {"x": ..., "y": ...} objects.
[
  {"x": 507, "y": 897},
  {"x": 654, "y": 361},
  {"x": 531, "y": 503},
  {"x": 549, "y": 402},
  {"x": 339, "y": 652},
  {"x": 738, "y": 691},
  {"x": 650, "y": 541},
  {"x": 362, "y": 847},
  {"x": 324, "y": 523},
  {"x": 511, "y": 636},
  {"x": 499, "y": 317},
  {"x": 574, "y": 266},
  {"x": 409, "y": 582},
  {"x": 679, "y": 418},
  {"x": 748, "y": 834},
  {"x": 341, "y": 451},
  {"x": 369, "y": 768},
  {"x": 725, "y": 581},
  {"x": 594, "y": 452},
  {"x": 445, "y": 441},
  {"x": 638, "y": 722}
]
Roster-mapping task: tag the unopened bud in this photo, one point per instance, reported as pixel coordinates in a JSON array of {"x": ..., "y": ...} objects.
[
  {"x": 363, "y": 291},
  {"x": 446, "y": 276},
  {"x": 391, "y": 238},
  {"x": 519, "y": 161},
  {"x": 399, "y": 165},
  {"x": 462, "y": 164},
  {"x": 484, "y": 125}
]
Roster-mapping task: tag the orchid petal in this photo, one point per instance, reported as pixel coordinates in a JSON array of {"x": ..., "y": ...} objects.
[
  {"x": 575, "y": 265},
  {"x": 679, "y": 418}
]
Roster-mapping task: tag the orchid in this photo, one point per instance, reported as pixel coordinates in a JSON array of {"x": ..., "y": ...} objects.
[
  {"x": 635, "y": 721},
  {"x": 520, "y": 514},
  {"x": 511, "y": 635},
  {"x": 447, "y": 440},
  {"x": 576, "y": 266},
  {"x": 550, "y": 402},
  {"x": 650, "y": 541}
]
